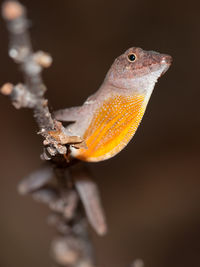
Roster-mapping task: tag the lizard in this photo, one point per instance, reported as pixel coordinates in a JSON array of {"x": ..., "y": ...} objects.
[{"x": 109, "y": 118}]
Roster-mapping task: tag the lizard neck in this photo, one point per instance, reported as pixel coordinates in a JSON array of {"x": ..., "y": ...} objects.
[
  {"x": 137, "y": 88},
  {"x": 134, "y": 85}
]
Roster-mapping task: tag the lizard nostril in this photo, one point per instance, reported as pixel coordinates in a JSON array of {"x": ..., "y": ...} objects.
[{"x": 166, "y": 59}]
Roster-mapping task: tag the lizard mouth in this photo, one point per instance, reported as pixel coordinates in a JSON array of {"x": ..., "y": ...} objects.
[{"x": 166, "y": 61}]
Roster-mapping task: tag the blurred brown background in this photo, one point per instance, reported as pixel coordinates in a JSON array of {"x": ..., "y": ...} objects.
[{"x": 151, "y": 190}]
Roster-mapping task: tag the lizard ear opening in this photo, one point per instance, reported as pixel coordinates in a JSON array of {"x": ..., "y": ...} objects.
[{"x": 131, "y": 57}]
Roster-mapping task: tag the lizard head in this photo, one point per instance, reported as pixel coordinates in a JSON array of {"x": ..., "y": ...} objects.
[{"x": 138, "y": 68}]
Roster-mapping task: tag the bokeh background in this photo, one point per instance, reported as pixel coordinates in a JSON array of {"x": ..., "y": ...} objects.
[{"x": 151, "y": 190}]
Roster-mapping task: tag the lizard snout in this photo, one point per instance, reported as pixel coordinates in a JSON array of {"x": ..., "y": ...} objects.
[{"x": 166, "y": 59}]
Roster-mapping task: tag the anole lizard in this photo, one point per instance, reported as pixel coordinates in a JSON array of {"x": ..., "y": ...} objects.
[{"x": 109, "y": 118}]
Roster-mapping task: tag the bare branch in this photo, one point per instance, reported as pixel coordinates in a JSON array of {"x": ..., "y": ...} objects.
[
  {"x": 31, "y": 94},
  {"x": 36, "y": 179},
  {"x": 50, "y": 183},
  {"x": 89, "y": 195}
]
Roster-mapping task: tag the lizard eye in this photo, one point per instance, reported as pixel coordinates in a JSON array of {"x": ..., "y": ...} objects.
[{"x": 131, "y": 57}]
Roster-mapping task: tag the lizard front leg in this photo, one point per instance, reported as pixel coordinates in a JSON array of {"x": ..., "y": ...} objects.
[{"x": 68, "y": 114}]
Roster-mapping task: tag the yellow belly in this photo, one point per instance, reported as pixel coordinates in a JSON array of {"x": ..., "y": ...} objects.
[{"x": 112, "y": 127}]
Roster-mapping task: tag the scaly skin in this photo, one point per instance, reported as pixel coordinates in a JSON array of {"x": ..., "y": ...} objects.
[{"x": 108, "y": 119}]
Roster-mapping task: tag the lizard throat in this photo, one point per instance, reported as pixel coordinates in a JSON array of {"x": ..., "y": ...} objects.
[{"x": 112, "y": 127}]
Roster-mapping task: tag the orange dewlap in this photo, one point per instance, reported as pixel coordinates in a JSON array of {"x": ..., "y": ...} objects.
[{"x": 112, "y": 127}]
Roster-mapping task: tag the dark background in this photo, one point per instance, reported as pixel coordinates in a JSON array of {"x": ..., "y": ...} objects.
[{"x": 151, "y": 190}]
